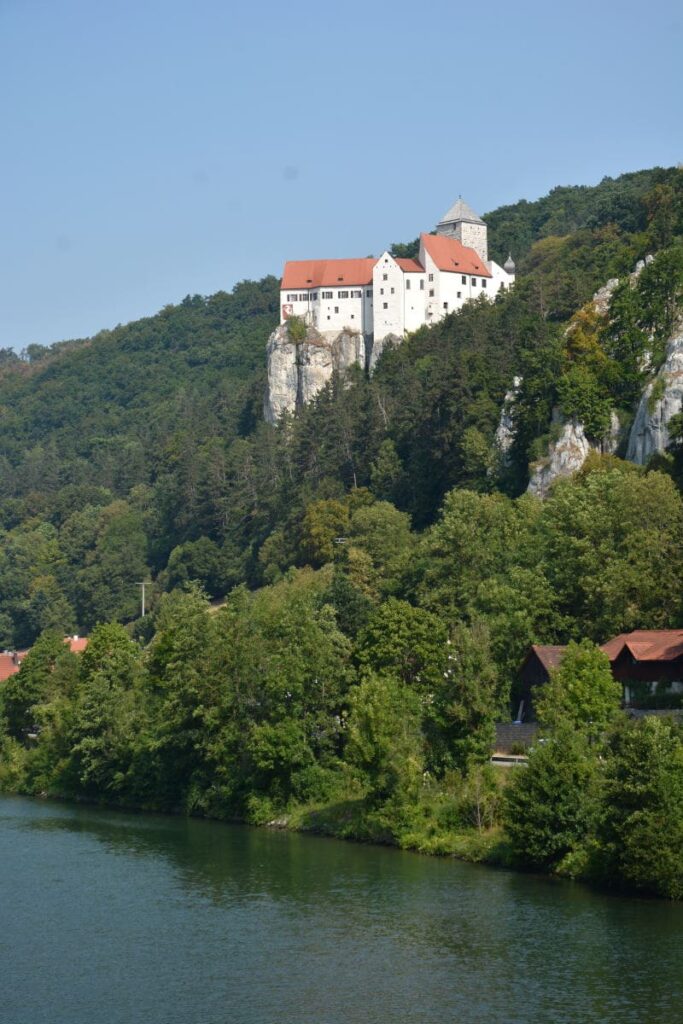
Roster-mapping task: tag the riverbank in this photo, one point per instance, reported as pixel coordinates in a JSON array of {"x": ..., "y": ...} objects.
[
  {"x": 352, "y": 820},
  {"x": 432, "y": 825}
]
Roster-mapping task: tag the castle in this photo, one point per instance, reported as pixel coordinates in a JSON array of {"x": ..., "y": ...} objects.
[{"x": 387, "y": 297}]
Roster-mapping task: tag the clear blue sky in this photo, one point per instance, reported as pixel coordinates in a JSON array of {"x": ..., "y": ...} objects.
[{"x": 154, "y": 148}]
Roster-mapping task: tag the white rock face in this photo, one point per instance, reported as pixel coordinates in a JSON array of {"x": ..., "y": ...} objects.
[
  {"x": 297, "y": 372},
  {"x": 567, "y": 455},
  {"x": 603, "y": 296},
  {"x": 505, "y": 431},
  {"x": 650, "y": 433}
]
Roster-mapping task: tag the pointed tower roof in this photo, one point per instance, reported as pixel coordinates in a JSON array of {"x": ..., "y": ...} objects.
[{"x": 460, "y": 210}]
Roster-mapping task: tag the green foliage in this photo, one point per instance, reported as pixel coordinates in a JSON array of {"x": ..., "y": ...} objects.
[
  {"x": 640, "y": 832},
  {"x": 325, "y": 524},
  {"x": 40, "y": 673},
  {"x": 550, "y": 803},
  {"x": 466, "y": 703},
  {"x": 385, "y": 738},
  {"x": 631, "y": 202},
  {"x": 582, "y": 693},
  {"x": 296, "y": 329},
  {"x": 105, "y": 714},
  {"x": 581, "y": 396},
  {"x": 407, "y": 642}
]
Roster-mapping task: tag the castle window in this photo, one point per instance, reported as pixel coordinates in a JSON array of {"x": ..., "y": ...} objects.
[
  {"x": 431, "y": 293},
  {"x": 304, "y": 296},
  {"x": 474, "y": 282},
  {"x": 385, "y": 277},
  {"x": 314, "y": 296},
  {"x": 422, "y": 284},
  {"x": 328, "y": 295},
  {"x": 336, "y": 309},
  {"x": 445, "y": 305},
  {"x": 368, "y": 293},
  {"x": 483, "y": 282},
  {"x": 385, "y": 305},
  {"x": 357, "y": 295},
  {"x": 459, "y": 295},
  {"x": 431, "y": 277},
  {"x": 381, "y": 291},
  {"x": 342, "y": 295},
  {"x": 464, "y": 279},
  {"x": 407, "y": 284},
  {"x": 392, "y": 291}
]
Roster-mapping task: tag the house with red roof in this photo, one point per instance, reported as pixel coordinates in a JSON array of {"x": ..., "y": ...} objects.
[
  {"x": 647, "y": 662},
  {"x": 386, "y": 297},
  {"x": 10, "y": 661}
]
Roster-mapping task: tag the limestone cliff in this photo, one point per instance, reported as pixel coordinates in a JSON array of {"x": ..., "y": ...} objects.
[
  {"x": 662, "y": 399},
  {"x": 505, "y": 431},
  {"x": 568, "y": 454},
  {"x": 299, "y": 370}
]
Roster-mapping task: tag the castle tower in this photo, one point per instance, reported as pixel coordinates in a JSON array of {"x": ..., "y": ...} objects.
[{"x": 463, "y": 223}]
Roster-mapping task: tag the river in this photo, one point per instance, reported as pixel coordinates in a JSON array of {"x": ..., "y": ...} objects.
[{"x": 111, "y": 918}]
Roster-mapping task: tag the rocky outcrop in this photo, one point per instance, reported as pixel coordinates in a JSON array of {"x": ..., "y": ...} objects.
[
  {"x": 297, "y": 371},
  {"x": 375, "y": 348},
  {"x": 568, "y": 454},
  {"x": 603, "y": 296},
  {"x": 662, "y": 399},
  {"x": 505, "y": 431}
]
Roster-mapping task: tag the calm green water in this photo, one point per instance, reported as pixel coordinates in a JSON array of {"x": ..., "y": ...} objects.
[{"x": 108, "y": 918}]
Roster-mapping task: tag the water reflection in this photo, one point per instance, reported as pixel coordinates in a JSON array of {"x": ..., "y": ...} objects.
[{"x": 295, "y": 928}]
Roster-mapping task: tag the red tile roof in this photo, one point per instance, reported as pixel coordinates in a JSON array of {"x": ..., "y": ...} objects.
[
  {"x": 549, "y": 655},
  {"x": 77, "y": 644},
  {"x": 647, "y": 645},
  {"x": 327, "y": 273},
  {"x": 10, "y": 661},
  {"x": 9, "y": 665},
  {"x": 410, "y": 266},
  {"x": 451, "y": 255}
]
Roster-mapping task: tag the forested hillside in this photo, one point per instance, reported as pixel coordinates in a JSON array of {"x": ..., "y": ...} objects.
[
  {"x": 382, "y": 568},
  {"x": 140, "y": 453}
]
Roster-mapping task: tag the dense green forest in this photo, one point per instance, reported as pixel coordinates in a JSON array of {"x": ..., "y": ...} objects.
[{"x": 382, "y": 568}]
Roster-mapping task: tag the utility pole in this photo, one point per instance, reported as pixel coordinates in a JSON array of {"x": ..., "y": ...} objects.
[{"x": 142, "y": 585}]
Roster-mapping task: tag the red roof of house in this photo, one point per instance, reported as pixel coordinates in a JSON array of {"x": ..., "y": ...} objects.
[
  {"x": 549, "y": 655},
  {"x": 451, "y": 255},
  {"x": 77, "y": 644},
  {"x": 326, "y": 273},
  {"x": 10, "y": 661},
  {"x": 410, "y": 266},
  {"x": 9, "y": 665},
  {"x": 647, "y": 645}
]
